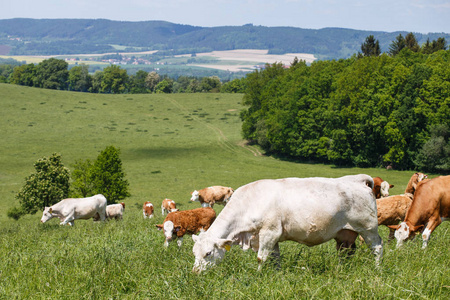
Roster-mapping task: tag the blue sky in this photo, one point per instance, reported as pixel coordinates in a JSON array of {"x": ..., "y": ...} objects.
[{"x": 380, "y": 15}]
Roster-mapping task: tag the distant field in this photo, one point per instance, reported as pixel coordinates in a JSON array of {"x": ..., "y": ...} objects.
[
  {"x": 170, "y": 145},
  {"x": 233, "y": 60}
]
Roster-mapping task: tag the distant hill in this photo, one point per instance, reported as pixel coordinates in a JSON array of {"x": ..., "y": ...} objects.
[{"x": 78, "y": 36}]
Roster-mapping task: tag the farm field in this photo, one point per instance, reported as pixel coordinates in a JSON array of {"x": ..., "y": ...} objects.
[
  {"x": 170, "y": 145},
  {"x": 232, "y": 60}
]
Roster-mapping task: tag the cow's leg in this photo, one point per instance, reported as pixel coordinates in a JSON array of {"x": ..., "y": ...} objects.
[
  {"x": 345, "y": 240},
  {"x": 102, "y": 214},
  {"x": 179, "y": 241},
  {"x": 432, "y": 224},
  {"x": 68, "y": 219},
  {"x": 391, "y": 234},
  {"x": 374, "y": 241},
  {"x": 162, "y": 210},
  {"x": 268, "y": 243}
]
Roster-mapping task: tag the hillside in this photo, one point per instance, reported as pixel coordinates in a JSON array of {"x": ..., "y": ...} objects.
[{"x": 77, "y": 36}]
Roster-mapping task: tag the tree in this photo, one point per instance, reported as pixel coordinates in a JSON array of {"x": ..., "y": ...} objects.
[
  {"x": 47, "y": 186},
  {"x": 114, "y": 81},
  {"x": 137, "y": 83},
  {"x": 371, "y": 47},
  {"x": 52, "y": 73},
  {"x": 152, "y": 80},
  {"x": 107, "y": 175},
  {"x": 411, "y": 42},
  {"x": 79, "y": 78},
  {"x": 397, "y": 45},
  {"x": 164, "y": 86},
  {"x": 82, "y": 185},
  {"x": 210, "y": 84},
  {"x": 24, "y": 75},
  {"x": 435, "y": 153}
]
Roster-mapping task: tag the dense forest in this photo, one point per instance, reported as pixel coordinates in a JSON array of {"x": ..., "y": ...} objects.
[
  {"x": 75, "y": 36},
  {"x": 376, "y": 110}
]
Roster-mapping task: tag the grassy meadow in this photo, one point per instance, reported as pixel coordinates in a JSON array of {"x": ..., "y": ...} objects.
[{"x": 171, "y": 145}]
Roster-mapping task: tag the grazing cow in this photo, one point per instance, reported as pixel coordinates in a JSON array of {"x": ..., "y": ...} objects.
[
  {"x": 147, "y": 210},
  {"x": 211, "y": 195},
  {"x": 392, "y": 209},
  {"x": 169, "y": 206},
  {"x": 381, "y": 187},
  {"x": 431, "y": 206},
  {"x": 178, "y": 223},
  {"x": 310, "y": 211},
  {"x": 115, "y": 211},
  {"x": 68, "y": 210}
]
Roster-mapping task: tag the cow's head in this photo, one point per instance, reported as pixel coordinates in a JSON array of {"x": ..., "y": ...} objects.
[
  {"x": 47, "y": 214},
  {"x": 194, "y": 196},
  {"x": 208, "y": 251},
  {"x": 169, "y": 230},
  {"x": 384, "y": 188},
  {"x": 404, "y": 232},
  {"x": 230, "y": 192}
]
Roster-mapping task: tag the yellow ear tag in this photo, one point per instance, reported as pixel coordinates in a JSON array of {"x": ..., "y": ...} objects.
[{"x": 227, "y": 247}]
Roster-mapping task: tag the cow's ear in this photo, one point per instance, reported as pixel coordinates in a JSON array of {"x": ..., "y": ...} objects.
[
  {"x": 224, "y": 243},
  {"x": 195, "y": 238},
  {"x": 50, "y": 210},
  {"x": 395, "y": 227},
  {"x": 159, "y": 226},
  {"x": 391, "y": 186}
]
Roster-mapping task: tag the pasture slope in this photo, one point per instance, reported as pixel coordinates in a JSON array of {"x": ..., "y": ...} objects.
[{"x": 171, "y": 145}]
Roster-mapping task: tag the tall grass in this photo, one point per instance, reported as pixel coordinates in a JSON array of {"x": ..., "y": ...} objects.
[{"x": 171, "y": 145}]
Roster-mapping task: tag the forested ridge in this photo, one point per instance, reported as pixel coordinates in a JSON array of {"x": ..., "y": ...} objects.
[
  {"x": 364, "y": 111},
  {"x": 75, "y": 36}
]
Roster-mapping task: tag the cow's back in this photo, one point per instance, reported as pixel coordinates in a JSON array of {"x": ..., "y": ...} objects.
[
  {"x": 431, "y": 196},
  {"x": 303, "y": 207}
]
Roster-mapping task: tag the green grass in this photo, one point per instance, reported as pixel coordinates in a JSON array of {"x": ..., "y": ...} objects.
[{"x": 171, "y": 145}]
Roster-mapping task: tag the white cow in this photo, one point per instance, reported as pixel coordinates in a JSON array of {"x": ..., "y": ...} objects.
[
  {"x": 68, "y": 210},
  {"x": 310, "y": 211}
]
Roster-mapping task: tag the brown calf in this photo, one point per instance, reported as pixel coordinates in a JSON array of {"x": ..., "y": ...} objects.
[
  {"x": 147, "y": 210},
  {"x": 188, "y": 221},
  {"x": 211, "y": 195}
]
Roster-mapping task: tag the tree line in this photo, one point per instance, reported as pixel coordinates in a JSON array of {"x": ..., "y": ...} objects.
[
  {"x": 390, "y": 109},
  {"x": 54, "y": 73}
]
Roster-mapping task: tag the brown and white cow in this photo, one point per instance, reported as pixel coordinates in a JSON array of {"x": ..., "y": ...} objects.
[
  {"x": 71, "y": 209},
  {"x": 431, "y": 206},
  {"x": 115, "y": 211},
  {"x": 381, "y": 187},
  {"x": 211, "y": 195},
  {"x": 147, "y": 210},
  {"x": 392, "y": 210},
  {"x": 168, "y": 206},
  {"x": 179, "y": 223}
]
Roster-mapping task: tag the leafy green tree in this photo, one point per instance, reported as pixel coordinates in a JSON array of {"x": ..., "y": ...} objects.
[
  {"x": 24, "y": 75},
  {"x": 114, "y": 80},
  {"x": 137, "y": 83},
  {"x": 47, "y": 186},
  {"x": 210, "y": 84},
  {"x": 234, "y": 86},
  {"x": 435, "y": 153},
  {"x": 82, "y": 185},
  {"x": 97, "y": 79},
  {"x": 164, "y": 86},
  {"x": 371, "y": 47},
  {"x": 52, "y": 74},
  {"x": 79, "y": 78},
  {"x": 107, "y": 175},
  {"x": 397, "y": 45}
]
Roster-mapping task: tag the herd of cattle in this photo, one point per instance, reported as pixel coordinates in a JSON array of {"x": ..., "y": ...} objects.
[{"x": 264, "y": 213}]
